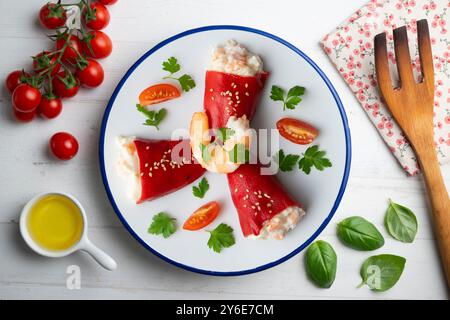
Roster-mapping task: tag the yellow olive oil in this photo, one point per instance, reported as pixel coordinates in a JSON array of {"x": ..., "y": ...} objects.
[{"x": 55, "y": 222}]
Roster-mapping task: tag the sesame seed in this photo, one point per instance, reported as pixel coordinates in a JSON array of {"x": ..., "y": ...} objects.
[
  {"x": 253, "y": 207},
  {"x": 211, "y": 90},
  {"x": 236, "y": 190},
  {"x": 212, "y": 98},
  {"x": 142, "y": 174},
  {"x": 146, "y": 165},
  {"x": 147, "y": 147},
  {"x": 247, "y": 94},
  {"x": 246, "y": 85},
  {"x": 241, "y": 176}
]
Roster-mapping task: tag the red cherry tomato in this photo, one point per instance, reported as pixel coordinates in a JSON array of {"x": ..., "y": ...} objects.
[
  {"x": 44, "y": 61},
  {"x": 96, "y": 16},
  {"x": 107, "y": 2},
  {"x": 97, "y": 45},
  {"x": 65, "y": 85},
  {"x": 158, "y": 93},
  {"x": 74, "y": 46},
  {"x": 14, "y": 79},
  {"x": 297, "y": 131},
  {"x": 50, "y": 106},
  {"x": 24, "y": 116},
  {"x": 63, "y": 145},
  {"x": 92, "y": 74},
  {"x": 52, "y": 16},
  {"x": 203, "y": 216},
  {"x": 26, "y": 98}
]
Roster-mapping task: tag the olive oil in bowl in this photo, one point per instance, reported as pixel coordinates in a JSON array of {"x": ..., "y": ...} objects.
[{"x": 55, "y": 222}]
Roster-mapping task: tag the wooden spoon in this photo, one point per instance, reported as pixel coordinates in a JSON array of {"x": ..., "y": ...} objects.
[{"x": 411, "y": 104}]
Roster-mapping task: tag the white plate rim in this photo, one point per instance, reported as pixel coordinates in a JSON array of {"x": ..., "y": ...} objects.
[{"x": 339, "y": 104}]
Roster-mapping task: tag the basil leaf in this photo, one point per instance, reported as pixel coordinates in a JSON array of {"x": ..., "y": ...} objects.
[
  {"x": 382, "y": 272},
  {"x": 321, "y": 263},
  {"x": 360, "y": 234},
  {"x": 401, "y": 222}
]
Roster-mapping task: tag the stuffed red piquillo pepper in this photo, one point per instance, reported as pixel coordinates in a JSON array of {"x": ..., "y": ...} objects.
[
  {"x": 265, "y": 209},
  {"x": 233, "y": 86},
  {"x": 154, "y": 168}
]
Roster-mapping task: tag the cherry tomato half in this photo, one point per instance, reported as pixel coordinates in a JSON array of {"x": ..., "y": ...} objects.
[
  {"x": 158, "y": 93},
  {"x": 97, "y": 17},
  {"x": 97, "y": 44},
  {"x": 14, "y": 79},
  {"x": 297, "y": 131},
  {"x": 65, "y": 85},
  {"x": 107, "y": 2},
  {"x": 26, "y": 98},
  {"x": 46, "y": 60},
  {"x": 203, "y": 216},
  {"x": 50, "y": 106},
  {"x": 52, "y": 16},
  {"x": 92, "y": 74},
  {"x": 24, "y": 116},
  {"x": 74, "y": 46},
  {"x": 63, "y": 145}
]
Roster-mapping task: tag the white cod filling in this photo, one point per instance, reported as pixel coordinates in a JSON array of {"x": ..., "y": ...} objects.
[
  {"x": 277, "y": 227},
  {"x": 235, "y": 59},
  {"x": 128, "y": 166}
]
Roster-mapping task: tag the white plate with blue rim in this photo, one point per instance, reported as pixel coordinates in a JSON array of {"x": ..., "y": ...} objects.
[{"x": 320, "y": 192}]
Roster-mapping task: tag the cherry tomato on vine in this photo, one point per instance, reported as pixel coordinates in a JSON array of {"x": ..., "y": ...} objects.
[
  {"x": 74, "y": 46},
  {"x": 90, "y": 73},
  {"x": 26, "y": 98},
  {"x": 65, "y": 85},
  {"x": 96, "y": 16},
  {"x": 24, "y": 116},
  {"x": 14, "y": 79},
  {"x": 46, "y": 60},
  {"x": 108, "y": 2},
  {"x": 97, "y": 44},
  {"x": 63, "y": 145},
  {"x": 50, "y": 106},
  {"x": 52, "y": 16}
]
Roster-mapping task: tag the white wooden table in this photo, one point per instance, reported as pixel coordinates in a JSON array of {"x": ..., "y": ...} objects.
[{"x": 137, "y": 25}]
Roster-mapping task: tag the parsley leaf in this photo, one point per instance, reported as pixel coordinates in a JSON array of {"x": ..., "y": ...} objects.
[
  {"x": 277, "y": 94},
  {"x": 172, "y": 66},
  {"x": 223, "y": 134},
  {"x": 162, "y": 224},
  {"x": 205, "y": 153},
  {"x": 314, "y": 157},
  {"x": 239, "y": 154},
  {"x": 221, "y": 237},
  {"x": 286, "y": 163},
  {"x": 292, "y": 99},
  {"x": 154, "y": 118},
  {"x": 186, "y": 82},
  {"x": 200, "y": 191}
]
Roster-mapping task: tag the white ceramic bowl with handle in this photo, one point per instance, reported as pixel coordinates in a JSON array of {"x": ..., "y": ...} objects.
[{"x": 83, "y": 243}]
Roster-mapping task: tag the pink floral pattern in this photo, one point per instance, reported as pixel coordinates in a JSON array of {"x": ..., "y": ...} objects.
[{"x": 350, "y": 47}]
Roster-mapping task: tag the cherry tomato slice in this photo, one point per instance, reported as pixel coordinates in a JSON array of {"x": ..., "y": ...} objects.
[
  {"x": 158, "y": 93},
  {"x": 203, "y": 216},
  {"x": 297, "y": 131}
]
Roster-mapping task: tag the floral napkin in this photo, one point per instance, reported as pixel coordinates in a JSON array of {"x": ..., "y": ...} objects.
[{"x": 350, "y": 48}]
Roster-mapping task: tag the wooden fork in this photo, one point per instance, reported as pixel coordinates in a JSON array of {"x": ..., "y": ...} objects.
[{"x": 411, "y": 104}]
